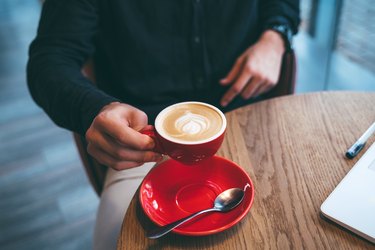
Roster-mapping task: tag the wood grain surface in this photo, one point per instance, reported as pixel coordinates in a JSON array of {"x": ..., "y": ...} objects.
[{"x": 293, "y": 149}]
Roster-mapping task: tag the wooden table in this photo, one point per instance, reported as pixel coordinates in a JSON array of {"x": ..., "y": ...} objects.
[{"x": 293, "y": 149}]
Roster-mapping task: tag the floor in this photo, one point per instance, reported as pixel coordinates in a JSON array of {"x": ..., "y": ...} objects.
[{"x": 46, "y": 200}]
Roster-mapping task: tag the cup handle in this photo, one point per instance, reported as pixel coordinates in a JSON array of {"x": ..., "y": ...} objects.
[{"x": 150, "y": 131}]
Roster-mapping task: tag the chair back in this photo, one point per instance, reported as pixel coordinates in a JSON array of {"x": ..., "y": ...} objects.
[{"x": 95, "y": 171}]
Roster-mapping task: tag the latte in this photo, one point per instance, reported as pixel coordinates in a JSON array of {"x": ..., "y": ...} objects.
[{"x": 190, "y": 122}]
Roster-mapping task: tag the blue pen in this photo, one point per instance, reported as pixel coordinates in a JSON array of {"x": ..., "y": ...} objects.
[{"x": 360, "y": 143}]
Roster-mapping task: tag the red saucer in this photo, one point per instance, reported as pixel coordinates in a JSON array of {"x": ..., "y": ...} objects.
[{"x": 172, "y": 191}]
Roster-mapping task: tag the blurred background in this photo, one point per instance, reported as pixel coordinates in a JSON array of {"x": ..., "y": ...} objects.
[{"x": 46, "y": 201}]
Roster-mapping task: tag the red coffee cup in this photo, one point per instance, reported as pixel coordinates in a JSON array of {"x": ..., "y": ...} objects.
[{"x": 195, "y": 149}]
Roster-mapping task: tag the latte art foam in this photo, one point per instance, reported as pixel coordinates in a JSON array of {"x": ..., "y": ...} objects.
[{"x": 190, "y": 122}]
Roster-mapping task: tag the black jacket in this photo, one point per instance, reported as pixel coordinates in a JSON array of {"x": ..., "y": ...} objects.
[{"x": 148, "y": 53}]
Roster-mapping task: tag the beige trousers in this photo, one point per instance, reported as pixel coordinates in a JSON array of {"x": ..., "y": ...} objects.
[{"x": 119, "y": 189}]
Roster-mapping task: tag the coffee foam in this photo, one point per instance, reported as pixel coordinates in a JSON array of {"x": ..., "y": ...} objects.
[{"x": 190, "y": 122}]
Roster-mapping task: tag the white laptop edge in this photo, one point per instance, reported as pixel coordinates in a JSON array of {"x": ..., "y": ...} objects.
[
  {"x": 352, "y": 229},
  {"x": 332, "y": 207}
]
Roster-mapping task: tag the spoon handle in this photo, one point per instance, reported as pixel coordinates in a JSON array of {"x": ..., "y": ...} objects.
[{"x": 160, "y": 231}]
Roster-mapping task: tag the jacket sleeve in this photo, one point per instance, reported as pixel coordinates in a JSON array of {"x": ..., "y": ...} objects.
[
  {"x": 64, "y": 41},
  {"x": 280, "y": 12}
]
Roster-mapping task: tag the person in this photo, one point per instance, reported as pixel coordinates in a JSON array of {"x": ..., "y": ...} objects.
[{"x": 148, "y": 55}]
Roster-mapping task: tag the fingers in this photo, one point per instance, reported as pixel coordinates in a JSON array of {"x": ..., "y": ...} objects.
[
  {"x": 236, "y": 69},
  {"x": 256, "y": 70},
  {"x": 264, "y": 89},
  {"x": 104, "y": 158},
  {"x": 108, "y": 152},
  {"x": 123, "y": 133},
  {"x": 252, "y": 88},
  {"x": 120, "y": 152},
  {"x": 237, "y": 87},
  {"x": 113, "y": 138},
  {"x": 130, "y": 137}
]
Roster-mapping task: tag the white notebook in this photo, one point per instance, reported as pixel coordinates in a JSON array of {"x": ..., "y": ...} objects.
[{"x": 352, "y": 203}]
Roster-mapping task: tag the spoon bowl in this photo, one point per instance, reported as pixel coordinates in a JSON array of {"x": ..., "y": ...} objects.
[
  {"x": 229, "y": 199},
  {"x": 224, "y": 202}
]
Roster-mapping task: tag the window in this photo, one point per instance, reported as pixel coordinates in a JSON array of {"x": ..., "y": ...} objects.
[{"x": 334, "y": 47}]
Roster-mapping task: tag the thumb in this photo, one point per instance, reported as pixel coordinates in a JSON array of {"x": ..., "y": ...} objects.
[{"x": 137, "y": 119}]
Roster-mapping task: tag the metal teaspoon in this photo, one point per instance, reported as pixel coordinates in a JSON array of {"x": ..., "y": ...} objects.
[{"x": 224, "y": 202}]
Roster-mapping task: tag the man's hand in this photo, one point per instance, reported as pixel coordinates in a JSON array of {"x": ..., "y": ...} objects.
[
  {"x": 113, "y": 137},
  {"x": 257, "y": 70}
]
